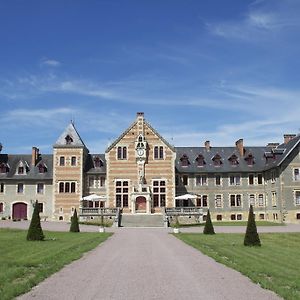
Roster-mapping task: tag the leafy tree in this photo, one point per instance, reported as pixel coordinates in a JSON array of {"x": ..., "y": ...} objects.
[
  {"x": 35, "y": 231},
  {"x": 74, "y": 223},
  {"x": 208, "y": 228},
  {"x": 251, "y": 236}
]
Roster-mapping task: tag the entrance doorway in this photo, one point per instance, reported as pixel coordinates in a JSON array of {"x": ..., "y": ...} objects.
[
  {"x": 140, "y": 204},
  {"x": 19, "y": 211}
]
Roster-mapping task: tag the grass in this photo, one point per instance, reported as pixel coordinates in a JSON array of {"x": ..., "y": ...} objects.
[
  {"x": 26, "y": 263},
  {"x": 231, "y": 223},
  {"x": 274, "y": 265}
]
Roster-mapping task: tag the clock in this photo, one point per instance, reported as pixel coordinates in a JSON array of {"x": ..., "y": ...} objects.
[{"x": 140, "y": 152}]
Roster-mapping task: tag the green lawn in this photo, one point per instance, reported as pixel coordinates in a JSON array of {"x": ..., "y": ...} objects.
[
  {"x": 275, "y": 265},
  {"x": 234, "y": 223},
  {"x": 23, "y": 264}
]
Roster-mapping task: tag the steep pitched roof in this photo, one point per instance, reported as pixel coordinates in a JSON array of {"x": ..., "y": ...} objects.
[
  {"x": 70, "y": 138},
  {"x": 130, "y": 127}
]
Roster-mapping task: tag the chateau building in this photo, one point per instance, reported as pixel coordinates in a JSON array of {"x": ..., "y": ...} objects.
[{"x": 140, "y": 172}]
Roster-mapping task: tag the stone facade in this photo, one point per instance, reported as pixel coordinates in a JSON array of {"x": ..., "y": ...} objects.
[{"x": 142, "y": 173}]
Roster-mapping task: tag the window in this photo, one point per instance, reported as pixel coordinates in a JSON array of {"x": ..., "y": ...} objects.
[
  {"x": 235, "y": 200},
  {"x": 98, "y": 162},
  {"x": 1, "y": 207},
  {"x": 274, "y": 199},
  {"x": 42, "y": 168},
  {"x": 69, "y": 140},
  {"x": 233, "y": 160},
  {"x": 202, "y": 201},
  {"x": 159, "y": 193},
  {"x": 217, "y": 160},
  {"x": 73, "y": 161},
  {"x": 40, "y": 207},
  {"x": 92, "y": 181},
  {"x": 273, "y": 176},
  {"x": 102, "y": 181},
  {"x": 3, "y": 168},
  {"x": 177, "y": 180},
  {"x": 62, "y": 161},
  {"x": 234, "y": 179},
  {"x": 261, "y": 201},
  {"x": 297, "y": 174},
  {"x": 219, "y": 217},
  {"x": 158, "y": 152},
  {"x": 200, "y": 161},
  {"x": 20, "y": 188},
  {"x": 40, "y": 188},
  {"x": 20, "y": 170},
  {"x": 67, "y": 187},
  {"x": 122, "y": 193},
  {"x": 259, "y": 179},
  {"x": 261, "y": 216},
  {"x": 232, "y": 217},
  {"x": 201, "y": 180},
  {"x": 297, "y": 197},
  {"x": 252, "y": 200},
  {"x": 218, "y": 180},
  {"x": 251, "y": 179},
  {"x": 2, "y": 188},
  {"x": 122, "y": 152},
  {"x": 185, "y": 179},
  {"x": 184, "y": 160},
  {"x": 250, "y": 160},
  {"x": 298, "y": 216},
  {"x": 219, "y": 201},
  {"x": 239, "y": 217}
]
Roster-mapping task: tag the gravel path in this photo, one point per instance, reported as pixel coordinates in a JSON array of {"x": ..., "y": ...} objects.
[{"x": 146, "y": 264}]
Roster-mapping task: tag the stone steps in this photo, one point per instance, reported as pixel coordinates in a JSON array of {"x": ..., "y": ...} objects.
[{"x": 142, "y": 220}]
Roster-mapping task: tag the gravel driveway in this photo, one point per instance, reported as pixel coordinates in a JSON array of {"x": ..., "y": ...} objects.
[{"x": 141, "y": 263}]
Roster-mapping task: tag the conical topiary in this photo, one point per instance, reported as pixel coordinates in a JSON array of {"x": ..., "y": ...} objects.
[
  {"x": 35, "y": 232},
  {"x": 251, "y": 236},
  {"x": 208, "y": 228},
  {"x": 74, "y": 223}
]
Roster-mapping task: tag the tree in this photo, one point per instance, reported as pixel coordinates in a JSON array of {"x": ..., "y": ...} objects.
[
  {"x": 35, "y": 231},
  {"x": 208, "y": 228},
  {"x": 251, "y": 236},
  {"x": 74, "y": 223}
]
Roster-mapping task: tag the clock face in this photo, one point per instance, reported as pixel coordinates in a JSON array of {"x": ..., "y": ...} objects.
[{"x": 140, "y": 152}]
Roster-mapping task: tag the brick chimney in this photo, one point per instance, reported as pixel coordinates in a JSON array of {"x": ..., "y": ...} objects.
[
  {"x": 34, "y": 156},
  {"x": 207, "y": 145},
  {"x": 240, "y": 146},
  {"x": 288, "y": 137}
]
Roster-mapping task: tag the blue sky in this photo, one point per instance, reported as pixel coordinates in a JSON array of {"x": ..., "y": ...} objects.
[{"x": 200, "y": 70}]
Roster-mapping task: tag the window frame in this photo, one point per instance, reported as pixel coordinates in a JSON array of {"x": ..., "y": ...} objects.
[{"x": 38, "y": 190}]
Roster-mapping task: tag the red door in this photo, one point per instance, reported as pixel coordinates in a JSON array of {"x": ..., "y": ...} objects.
[
  {"x": 140, "y": 203},
  {"x": 20, "y": 211}
]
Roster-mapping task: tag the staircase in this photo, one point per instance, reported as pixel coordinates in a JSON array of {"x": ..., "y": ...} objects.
[{"x": 142, "y": 220}]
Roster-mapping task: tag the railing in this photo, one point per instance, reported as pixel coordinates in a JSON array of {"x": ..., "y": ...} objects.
[{"x": 183, "y": 211}]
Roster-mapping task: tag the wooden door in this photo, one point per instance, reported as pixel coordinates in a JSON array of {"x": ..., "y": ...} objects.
[
  {"x": 20, "y": 211},
  {"x": 140, "y": 203}
]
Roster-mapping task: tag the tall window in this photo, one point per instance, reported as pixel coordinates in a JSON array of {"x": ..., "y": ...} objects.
[
  {"x": 274, "y": 199},
  {"x": 251, "y": 179},
  {"x": 235, "y": 200},
  {"x": 201, "y": 180},
  {"x": 102, "y": 181},
  {"x": 297, "y": 174},
  {"x": 40, "y": 207},
  {"x": 202, "y": 201},
  {"x": 122, "y": 152},
  {"x": 158, "y": 152},
  {"x": 2, "y": 188},
  {"x": 73, "y": 161},
  {"x": 218, "y": 180},
  {"x": 273, "y": 176},
  {"x": 40, "y": 188},
  {"x": 259, "y": 179},
  {"x": 261, "y": 201},
  {"x": 1, "y": 207},
  {"x": 252, "y": 200},
  {"x": 250, "y": 160},
  {"x": 62, "y": 161},
  {"x": 21, "y": 170},
  {"x": 67, "y": 187},
  {"x": 185, "y": 180},
  {"x": 219, "y": 202},
  {"x": 20, "y": 188},
  {"x": 122, "y": 193},
  {"x": 3, "y": 168},
  {"x": 234, "y": 179},
  {"x": 297, "y": 197},
  {"x": 159, "y": 193},
  {"x": 92, "y": 181}
]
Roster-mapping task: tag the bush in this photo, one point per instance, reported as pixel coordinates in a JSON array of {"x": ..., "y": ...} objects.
[
  {"x": 208, "y": 228},
  {"x": 74, "y": 223},
  {"x": 251, "y": 236},
  {"x": 35, "y": 232}
]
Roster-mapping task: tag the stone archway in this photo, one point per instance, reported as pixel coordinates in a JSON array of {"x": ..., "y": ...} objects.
[
  {"x": 140, "y": 204},
  {"x": 19, "y": 210}
]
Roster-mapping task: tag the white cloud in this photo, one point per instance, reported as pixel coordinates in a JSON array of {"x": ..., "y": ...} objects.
[{"x": 50, "y": 62}]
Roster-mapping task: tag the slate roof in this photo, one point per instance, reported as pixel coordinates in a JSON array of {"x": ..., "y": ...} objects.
[
  {"x": 260, "y": 154},
  {"x": 75, "y": 141},
  {"x": 90, "y": 165},
  {"x": 32, "y": 172}
]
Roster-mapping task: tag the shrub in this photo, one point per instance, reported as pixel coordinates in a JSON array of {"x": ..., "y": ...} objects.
[
  {"x": 74, "y": 223},
  {"x": 208, "y": 228},
  {"x": 251, "y": 236},
  {"x": 35, "y": 232}
]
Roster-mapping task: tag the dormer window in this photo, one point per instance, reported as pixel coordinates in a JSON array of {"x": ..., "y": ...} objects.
[
  {"x": 184, "y": 160},
  {"x": 233, "y": 160},
  {"x": 21, "y": 170},
  {"x": 250, "y": 159},
  {"x": 200, "y": 160},
  {"x": 270, "y": 157},
  {"x": 69, "y": 140},
  {"x": 217, "y": 160},
  {"x": 42, "y": 168},
  {"x": 3, "y": 168},
  {"x": 98, "y": 162}
]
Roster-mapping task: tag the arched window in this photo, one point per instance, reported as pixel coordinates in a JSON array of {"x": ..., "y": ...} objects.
[
  {"x": 61, "y": 187},
  {"x": 73, "y": 187}
]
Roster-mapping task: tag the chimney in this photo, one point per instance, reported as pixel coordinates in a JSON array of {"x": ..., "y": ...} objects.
[
  {"x": 288, "y": 137},
  {"x": 240, "y": 146},
  {"x": 34, "y": 156},
  {"x": 207, "y": 145},
  {"x": 272, "y": 145}
]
